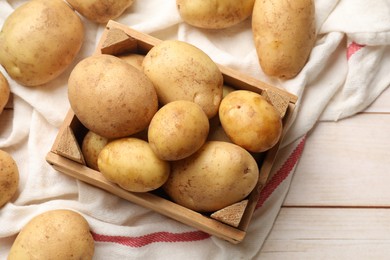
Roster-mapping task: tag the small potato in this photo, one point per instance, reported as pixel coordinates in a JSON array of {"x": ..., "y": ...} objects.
[
  {"x": 132, "y": 164},
  {"x": 284, "y": 33},
  {"x": 91, "y": 147},
  {"x": 4, "y": 92},
  {"x": 216, "y": 176},
  {"x": 110, "y": 97},
  {"x": 56, "y": 234},
  {"x": 100, "y": 11},
  {"x": 39, "y": 40},
  {"x": 9, "y": 177},
  {"x": 215, "y": 14},
  {"x": 181, "y": 71},
  {"x": 178, "y": 130},
  {"x": 250, "y": 121},
  {"x": 133, "y": 59}
]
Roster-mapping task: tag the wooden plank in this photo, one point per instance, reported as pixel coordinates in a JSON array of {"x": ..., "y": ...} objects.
[
  {"x": 345, "y": 163},
  {"x": 329, "y": 233},
  {"x": 147, "y": 200},
  {"x": 326, "y": 249}
]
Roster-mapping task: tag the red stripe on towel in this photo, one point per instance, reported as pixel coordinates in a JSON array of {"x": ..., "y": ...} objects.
[
  {"x": 193, "y": 236},
  {"x": 353, "y": 48},
  {"x": 282, "y": 173},
  {"x": 156, "y": 237}
]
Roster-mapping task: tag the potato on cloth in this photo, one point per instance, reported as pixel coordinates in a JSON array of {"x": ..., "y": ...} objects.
[
  {"x": 100, "y": 11},
  {"x": 9, "y": 177},
  {"x": 39, "y": 40},
  {"x": 56, "y": 234},
  {"x": 347, "y": 70},
  {"x": 4, "y": 92}
]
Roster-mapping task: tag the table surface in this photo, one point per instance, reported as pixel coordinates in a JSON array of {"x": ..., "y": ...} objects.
[{"x": 338, "y": 205}]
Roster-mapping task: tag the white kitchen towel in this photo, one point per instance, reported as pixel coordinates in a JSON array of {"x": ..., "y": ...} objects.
[{"x": 345, "y": 73}]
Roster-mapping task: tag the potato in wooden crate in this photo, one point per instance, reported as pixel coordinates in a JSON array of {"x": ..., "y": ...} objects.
[{"x": 230, "y": 222}]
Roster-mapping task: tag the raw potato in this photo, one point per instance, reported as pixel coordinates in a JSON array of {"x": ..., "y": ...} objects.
[
  {"x": 216, "y": 176},
  {"x": 4, "y": 92},
  {"x": 131, "y": 163},
  {"x": 284, "y": 34},
  {"x": 181, "y": 71},
  {"x": 39, "y": 40},
  {"x": 133, "y": 59},
  {"x": 55, "y": 234},
  {"x": 9, "y": 177},
  {"x": 111, "y": 97},
  {"x": 250, "y": 121},
  {"x": 91, "y": 147},
  {"x": 214, "y": 14},
  {"x": 178, "y": 130},
  {"x": 100, "y": 11}
]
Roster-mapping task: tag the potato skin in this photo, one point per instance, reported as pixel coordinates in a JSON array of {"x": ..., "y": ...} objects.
[
  {"x": 9, "y": 177},
  {"x": 39, "y": 41},
  {"x": 250, "y": 121},
  {"x": 56, "y": 234},
  {"x": 216, "y": 176},
  {"x": 178, "y": 130},
  {"x": 133, "y": 59},
  {"x": 4, "y": 92},
  {"x": 181, "y": 71},
  {"x": 91, "y": 146},
  {"x": 131, "y": 163},
  {"x": 284, "y": 33},
  {"x": 214, "y": 14},
  {"x": 111, "y": 97},
  {"x": 100, "y": 11}
]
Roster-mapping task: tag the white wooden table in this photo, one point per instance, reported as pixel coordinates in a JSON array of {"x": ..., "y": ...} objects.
[{"x": 338, "y": 205}]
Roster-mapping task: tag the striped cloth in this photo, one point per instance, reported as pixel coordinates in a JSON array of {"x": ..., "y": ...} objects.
[{"x": 346, "y": 71}]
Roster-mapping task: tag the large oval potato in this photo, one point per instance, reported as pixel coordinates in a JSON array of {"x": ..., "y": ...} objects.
[
  {"x": 39, "y": 40},
  {"x": 284, "y": 33},
  {"x": 9, "y": 177},
  {"x": 132, "y": 164},
  {"x": 100, "y": 11},
  {"x": 178, "y": 130},
  {"x": 4, "y": 92},
  {"x": 55, "y": 234},
  {"x": 216, "y": 176},
  {"x": 181, "y": 71},
  {"x": 250, "y": 121},
  {"x": 215, "y": 14},
  {"x": 111, "y": 97}
]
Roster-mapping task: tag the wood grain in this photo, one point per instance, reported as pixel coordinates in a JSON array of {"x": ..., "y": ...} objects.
[
  {"x": 345, "y": 163},
  {"x": 329, "y": 233}
]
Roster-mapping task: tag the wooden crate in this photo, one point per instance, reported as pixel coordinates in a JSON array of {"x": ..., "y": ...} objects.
[{"x": 230, "y": 223}]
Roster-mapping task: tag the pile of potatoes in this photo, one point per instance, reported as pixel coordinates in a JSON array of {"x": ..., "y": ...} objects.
[
  {"x": 166, "y": 120},
  {"x": 284, "y": 31},
  {"x": 38, "y": 46}
]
